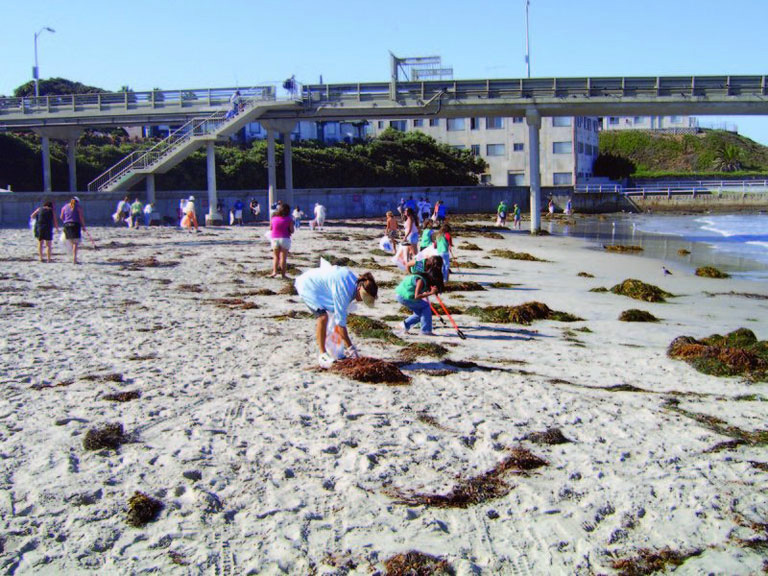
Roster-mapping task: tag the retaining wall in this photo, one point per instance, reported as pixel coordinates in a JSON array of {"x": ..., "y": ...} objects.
[{"x": 15, "y": 208}]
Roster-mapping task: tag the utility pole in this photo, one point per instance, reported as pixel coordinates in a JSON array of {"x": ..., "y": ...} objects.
[
  {"x": 527, "y": 44},
  {"x": 35, "y": 73}
]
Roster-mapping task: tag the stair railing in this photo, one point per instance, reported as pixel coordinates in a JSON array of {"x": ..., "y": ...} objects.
[{"x": 144, "y": 159}]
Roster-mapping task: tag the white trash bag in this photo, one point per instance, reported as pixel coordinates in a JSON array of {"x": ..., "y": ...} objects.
[
  {"x": 334, "y": 345},
  {"x": 385, "y": 244},
  {"x": 401, "y": 257}
]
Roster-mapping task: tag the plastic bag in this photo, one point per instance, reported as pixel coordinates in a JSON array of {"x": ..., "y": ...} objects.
[
  {"x": 334, "y": 345},
  {"x": 401, "y": 257},
  {"x": 385, "y": 244},
  {"x": 268, "y": 235},
  {"x": 63, "y": 237},
  {"x": 426, "y": 253}
]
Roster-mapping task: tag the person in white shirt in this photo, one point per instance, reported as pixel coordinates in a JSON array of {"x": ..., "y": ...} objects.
[{"x": 319, "y": 220}]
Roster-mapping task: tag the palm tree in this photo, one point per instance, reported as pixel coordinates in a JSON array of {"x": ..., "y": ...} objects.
[{"x": 727, "y": 158}]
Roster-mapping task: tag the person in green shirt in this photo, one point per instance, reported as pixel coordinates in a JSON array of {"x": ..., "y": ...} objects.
[
  {"x": 137, "y": 208},
  {"x": 426, "y": 235},
  {"x": 516, "y": 216},
  {"x": 501, "y": 214},
  {"x": 414, "y": 290}
]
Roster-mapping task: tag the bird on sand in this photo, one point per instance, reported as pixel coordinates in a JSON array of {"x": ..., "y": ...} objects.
[{"x": 666, "y": 272}]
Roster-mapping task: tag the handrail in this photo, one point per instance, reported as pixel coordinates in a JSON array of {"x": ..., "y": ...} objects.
[
  {"x": 153, "y": 99},
  {"x": 686, "y": 186},
  {"x": 141, "y": 160}
]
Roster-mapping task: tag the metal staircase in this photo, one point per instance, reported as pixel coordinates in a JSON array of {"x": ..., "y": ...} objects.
[{"x": 177, "y": 146}]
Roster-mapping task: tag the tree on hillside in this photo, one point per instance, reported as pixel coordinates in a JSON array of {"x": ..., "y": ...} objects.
[
  {"x": 612, "y": 166},
  {"x": 55, "y": 86},
  {"x": 727, "y": 158}
]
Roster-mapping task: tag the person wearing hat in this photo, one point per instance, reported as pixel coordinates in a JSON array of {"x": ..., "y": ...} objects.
[
  {"x": 332, "y": 289},
  {"x": 73, "y": 222},
  {"x": 190, "y": 218}
]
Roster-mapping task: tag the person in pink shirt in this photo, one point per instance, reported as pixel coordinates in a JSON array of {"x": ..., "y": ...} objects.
[{"x": 281, "y": 226}]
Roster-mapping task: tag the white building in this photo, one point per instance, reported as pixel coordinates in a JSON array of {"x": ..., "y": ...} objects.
[
  {"x": 568, "y": 145},
  {"x": 670, "y": 123}
]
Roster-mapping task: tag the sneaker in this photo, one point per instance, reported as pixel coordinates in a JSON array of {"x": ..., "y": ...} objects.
[
  {"x": 325, "y": 360},
  {"x": 404, "y": 327},
  {"x": 402, "y": 331}
]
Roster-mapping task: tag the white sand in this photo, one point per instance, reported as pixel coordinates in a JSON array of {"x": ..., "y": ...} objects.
[{"x": 296, "y": 465}]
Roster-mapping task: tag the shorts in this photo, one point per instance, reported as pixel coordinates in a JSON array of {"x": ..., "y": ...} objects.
[
  {"x": 413, "y": 238},
  {"x": 72, "y": 231},
  {"x": 284, "y": 243},
  {"x": 238, "y": 214}
]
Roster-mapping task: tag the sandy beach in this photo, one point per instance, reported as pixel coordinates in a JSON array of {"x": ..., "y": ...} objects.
[{"x": 265, "y": 464}]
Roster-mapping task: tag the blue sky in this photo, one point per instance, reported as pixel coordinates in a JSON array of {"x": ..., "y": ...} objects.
[{"x": 172, "y": 44}]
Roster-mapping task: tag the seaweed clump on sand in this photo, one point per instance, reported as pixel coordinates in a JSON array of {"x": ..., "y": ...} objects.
[
  {"x": 683, "y": 252},
  {"x": 641, "y": 291},
  {"x": 622, "y": 249},
  {"x": 550, "y": 436},
  {"x": 142, "y": 509},
  {"x": 467, "y": 286},
  {"x": 371, "y": 370},
  {"x": 477, "y": 489},
  {"x": 371, "y": 328},
  {"x": 511, "y": 255},
  {"x": 418, "y": 349},
  {"x": 651, "y": 561},
  {"x": 711, "y": 272},
  {"x": 470, "y": 246},
  {"x": 585, "y": 275},
  {"x": 522, "y": 314},
  {"x": 110, "y": 437},
  {"x": 415, "y": 563},
  {"x": 126, "y": 396},
  {"x": 635, "y": 315},
  {"x": 234, "y": 304},
  {"x": 738, "y": 353},
  {"x": 338, "y": 260}
]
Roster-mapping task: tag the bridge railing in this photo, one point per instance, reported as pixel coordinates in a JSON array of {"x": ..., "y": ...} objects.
[
  {"x": 117, "y": 101},
  {"x": 656, "y": 86}
]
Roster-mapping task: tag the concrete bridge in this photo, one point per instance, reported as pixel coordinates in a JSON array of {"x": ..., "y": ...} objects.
[{"x": 532, "y": 98}]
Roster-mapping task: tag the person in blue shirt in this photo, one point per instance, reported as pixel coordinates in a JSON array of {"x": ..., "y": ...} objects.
[
  {"x": 332, "y": 289},
  {"x": 238, "y": 212}
]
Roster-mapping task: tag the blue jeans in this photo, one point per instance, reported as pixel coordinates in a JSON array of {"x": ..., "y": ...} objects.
[{"x": 421, "y": 313}]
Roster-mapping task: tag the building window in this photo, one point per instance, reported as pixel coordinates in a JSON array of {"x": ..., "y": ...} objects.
[
  {"x": 418, "y": 122},
  {"x": 485, "y": 178},
  {"x": 515, "y": 179},
  {"x": 459, "y": 147},
  {"x": 494, "y": 150},
  {"x": 675, "y": 119},
  {"x": 517, "y": 120},
  {"x": 380, "y": 124},
  {"x": 639, "y": 119},
  {"x": 434, "y": 121},
  {"x": 561, "y": 121},
  {"x": 494, "y": 123},
  {"x": 398, "y": 125},
  {"x": 562, "y": 178},
  {"x": 613, "y": 120},
  {"x": 587, "y": 124},
  {"x": 474, "y": 123},
  {"x": 455, "y": 124},
  {"x": 518, "y": 147},
  {"x": 475, "y": 149},
  {"x": 564, "y": 147},
  {"x": 581, "y": 148}
]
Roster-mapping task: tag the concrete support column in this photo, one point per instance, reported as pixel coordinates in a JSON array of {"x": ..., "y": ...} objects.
[
  {"x": 72, "y": 164},
  {"x": 271, "y": 174},
  {"x": 213, "y": 218},
  {"x": 285, "y": 127},
  {"x": 533, "y": 119},
  {"x": 70, "y": 134},
  {"x": 150, "y": 188},
  {"x": 46, "y": 164},
  {"x": 288, "y": 163}
]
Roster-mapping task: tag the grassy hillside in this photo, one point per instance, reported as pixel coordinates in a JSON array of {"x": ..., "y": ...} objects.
[{"x": 710, "y": 153}]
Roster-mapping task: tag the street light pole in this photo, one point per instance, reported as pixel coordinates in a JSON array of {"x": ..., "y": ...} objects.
[
  {"x": 35, "y": 73},
  {"x": 527, "y": 45}
]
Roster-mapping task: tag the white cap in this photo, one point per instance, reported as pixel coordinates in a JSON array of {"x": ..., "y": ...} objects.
[{"x": 192, "y": 198}]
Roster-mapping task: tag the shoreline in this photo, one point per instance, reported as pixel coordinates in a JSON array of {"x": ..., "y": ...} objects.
[{"x": 265, "y": 464}]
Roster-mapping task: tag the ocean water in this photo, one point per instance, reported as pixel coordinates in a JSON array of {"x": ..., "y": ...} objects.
[{"x": 734, "y": 243}]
